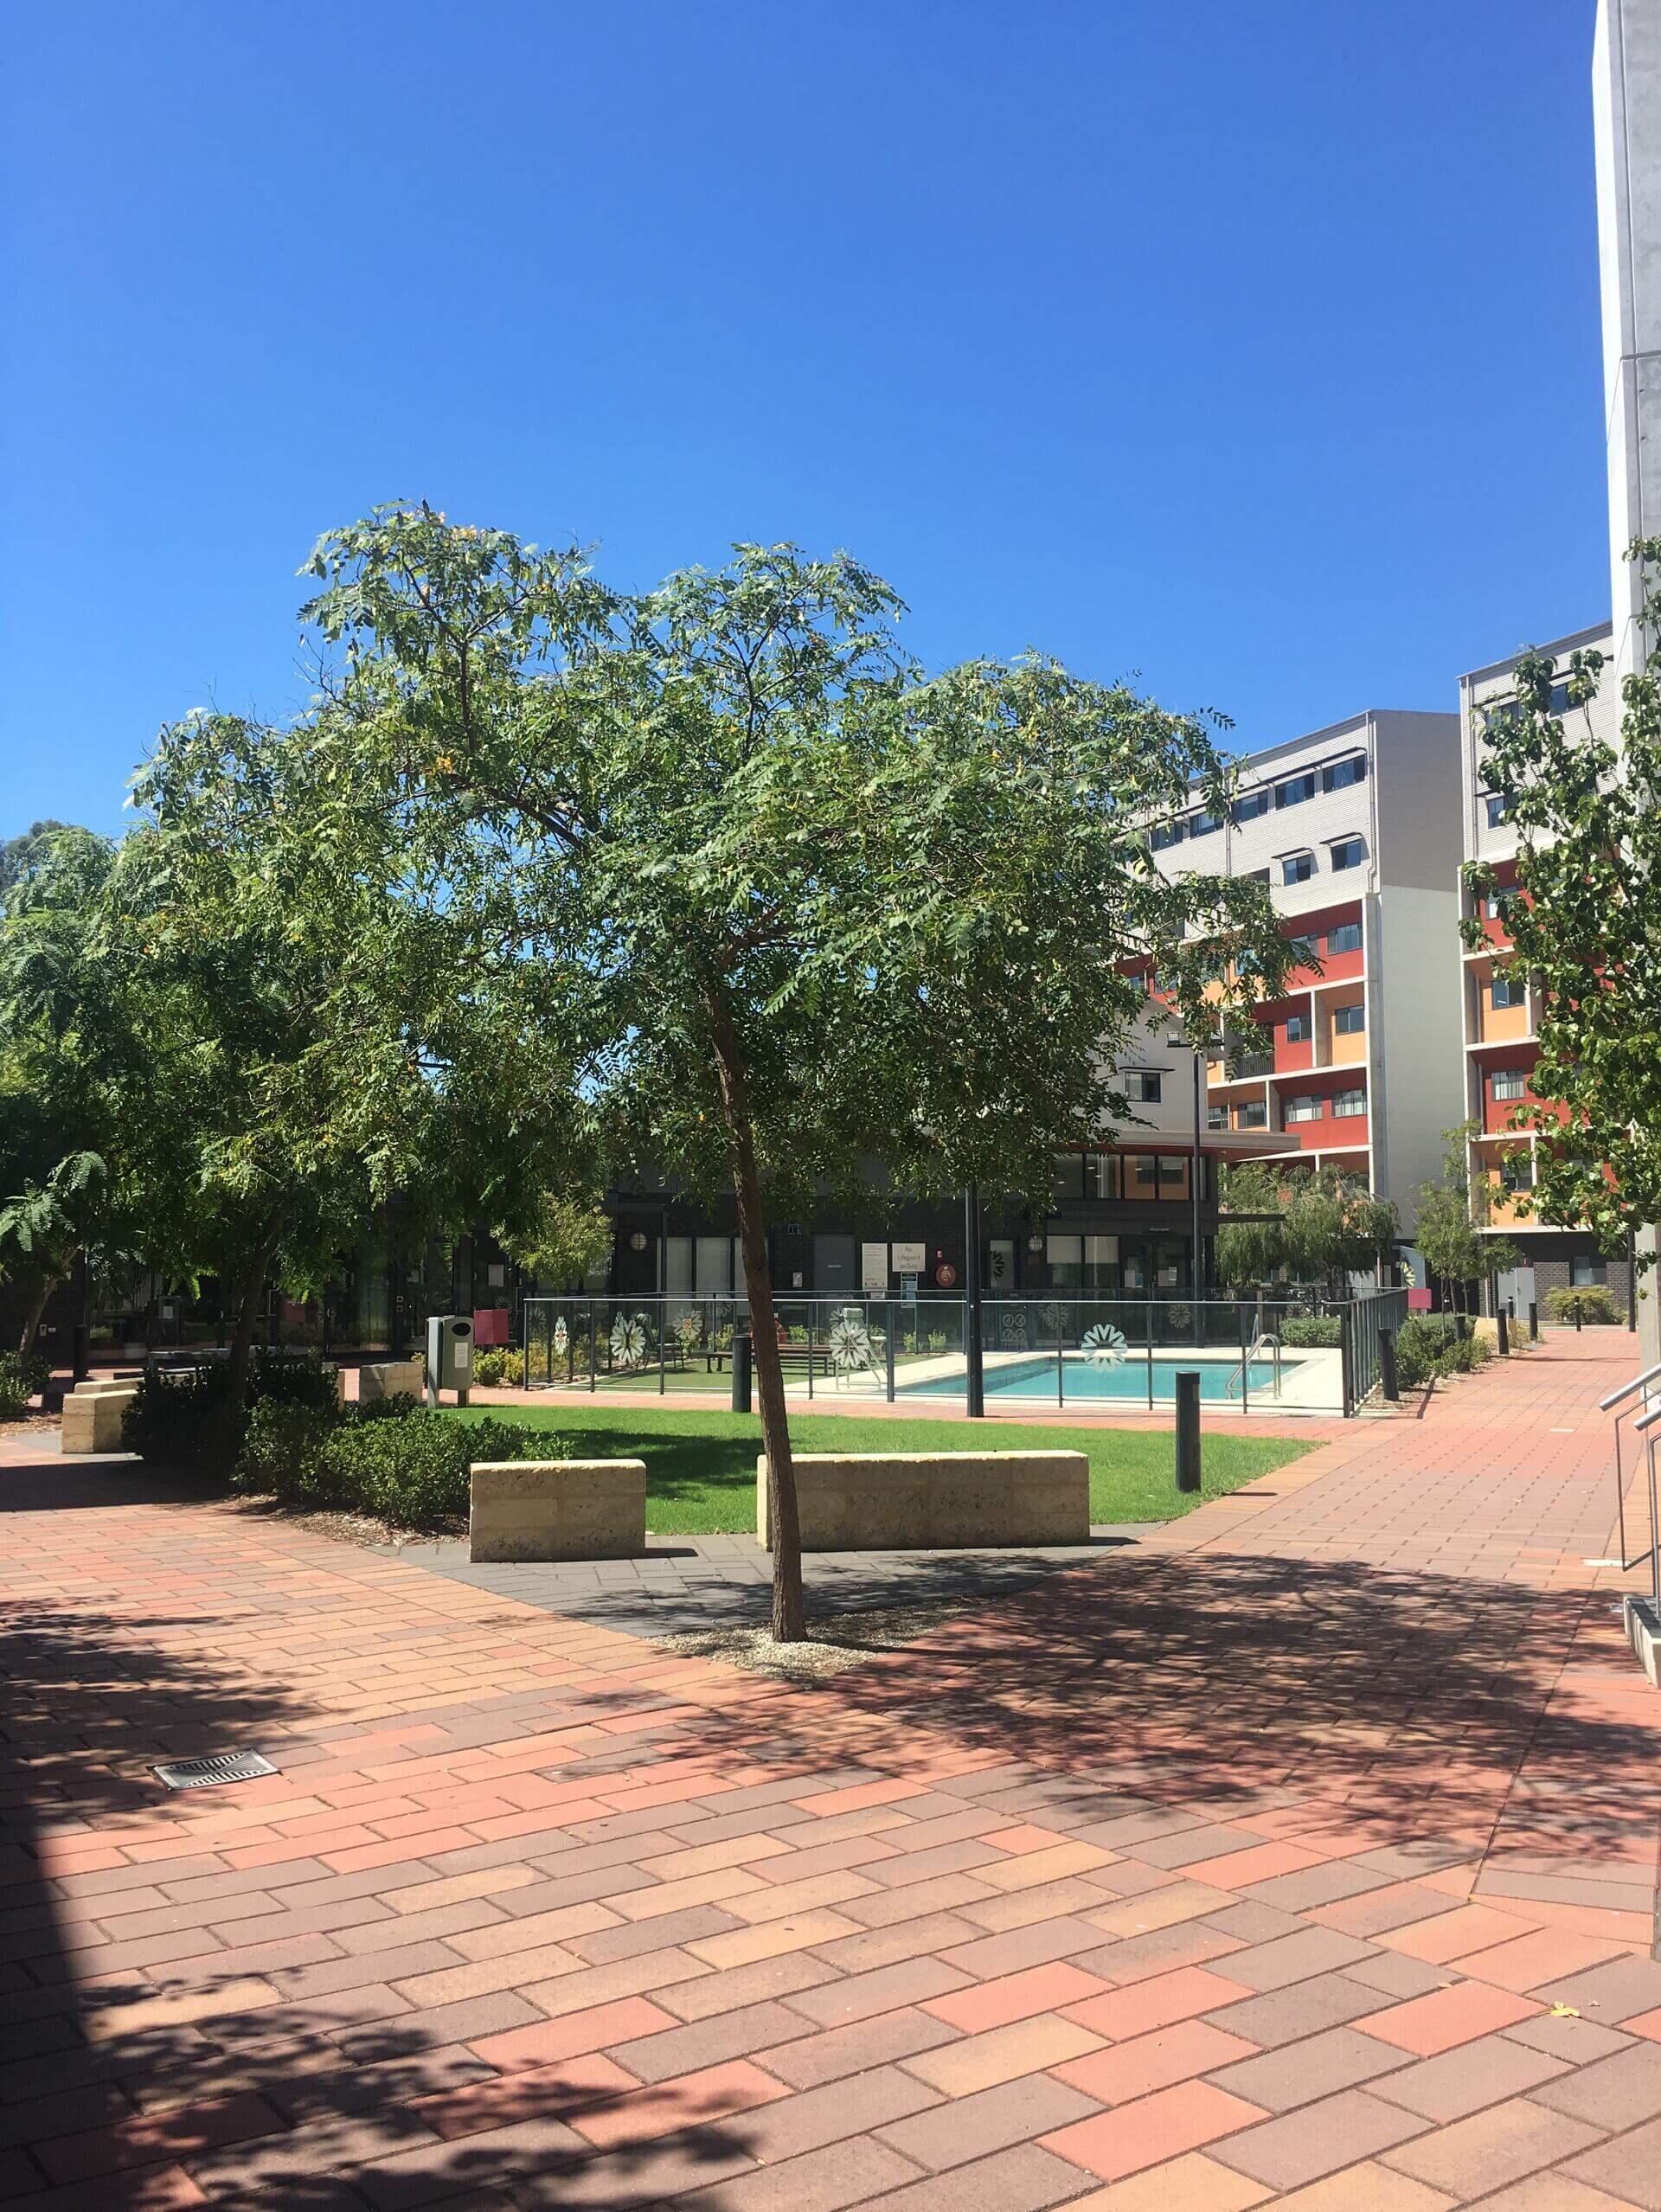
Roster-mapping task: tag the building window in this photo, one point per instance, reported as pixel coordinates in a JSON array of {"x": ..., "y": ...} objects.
[
  {"x": 1507, "y": 1083},
  {"x": 1258, "y": 876},
  {"x": 1216, "y": 1117},
  {"x": 1349, "y": 1020},
  {"x": 1250, "y": 805},
  {"x": 1297, "y": 868},
  {"x": 1346, "y": 938},
  {"x": 1141, "y": 1175},
  {"x": 1252, "y": 1115},
  {"x": 1338, "y": 775},
  {"x": 1297, "y": 1028},
  {"x": 1167, "y": 833},
  {"x": 1507, "y": 990},
  {"x": 1173, "y": 1175},
  {"x": 1491, "y": 906},
  {"x": 1067, "y": 1189},
  {"x": 1204, "y": 823},
  {"x": 1303, "y": 1109},
  {"x": 1064, "y": 1256},
  {"x": 1346, "y": 1104},
  {"x": 1304, "y": 951},
  {"x": 1348, "y": 852},
  {"x": 1494, "y": 807},
  {"x": 1516, "y": 1171},
  {"x": 1295, "y": 790},
  {"x": 1584, "y": 1271},
  {"x": 1142, "y": 1088}
]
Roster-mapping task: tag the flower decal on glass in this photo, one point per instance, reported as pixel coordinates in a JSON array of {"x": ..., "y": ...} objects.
[
  {"x": 561, "y": 1337},
  {"x": 1105, "y": 1344},
  {"x": 850, "y": 1341},
  {"x": 630, "y": 1340}
]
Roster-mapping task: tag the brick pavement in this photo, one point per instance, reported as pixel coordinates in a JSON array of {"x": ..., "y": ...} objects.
[{"x": 1304, "y": 1853}]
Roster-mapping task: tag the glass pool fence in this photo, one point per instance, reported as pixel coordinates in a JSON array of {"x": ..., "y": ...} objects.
[{"x": 1295, "y": 1354}]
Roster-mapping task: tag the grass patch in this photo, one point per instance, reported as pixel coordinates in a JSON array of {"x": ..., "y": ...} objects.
[{"x": 701, "y": 1467}]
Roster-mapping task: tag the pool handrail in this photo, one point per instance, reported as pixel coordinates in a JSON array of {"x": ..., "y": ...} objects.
[{"x": 1638, "y": 1383}]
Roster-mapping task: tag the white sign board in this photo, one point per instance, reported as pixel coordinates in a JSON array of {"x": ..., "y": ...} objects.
[
  {"x": 910, "y": 1259},
  {"x": 874, "y": 1268}
]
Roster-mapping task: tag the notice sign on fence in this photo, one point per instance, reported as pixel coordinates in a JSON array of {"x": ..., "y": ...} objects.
[
  {"x": 874, "y": 1268},
  {"x": 910, "y": 1259}
]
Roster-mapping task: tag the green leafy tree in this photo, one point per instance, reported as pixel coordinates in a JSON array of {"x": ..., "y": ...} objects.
[
  {"x": 46, "y": 1226},
  {"x": 1250, "y": 1251},
  {"x": 787, "y": 907},
  {"x": 560, "y": 1238},
  {"x": 19, "y": 854},
  {"x": 1450, "y": 1216},
  {"x": 1314, "y": 1226},
  {"x": 1584, "y": 920}
]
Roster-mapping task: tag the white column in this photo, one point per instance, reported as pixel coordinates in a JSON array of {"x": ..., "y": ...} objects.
[{"x": 1626, "y": 116}]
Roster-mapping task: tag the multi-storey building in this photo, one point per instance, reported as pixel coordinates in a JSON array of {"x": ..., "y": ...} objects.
[
  {"x": 1501, "y": 1008},
  {"x": 1355, "y": 830}
]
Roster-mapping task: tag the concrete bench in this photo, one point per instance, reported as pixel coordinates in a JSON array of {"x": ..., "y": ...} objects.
[
  {"x": 92, "y": 1417},
  {"x": 904, "y": 1501},
  {"x": 557, "y": 1508},
  {"x": 391, "y": 1379}
]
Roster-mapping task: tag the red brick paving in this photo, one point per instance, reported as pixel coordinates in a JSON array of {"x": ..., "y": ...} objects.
[{"x": 1305, "y": 1855}]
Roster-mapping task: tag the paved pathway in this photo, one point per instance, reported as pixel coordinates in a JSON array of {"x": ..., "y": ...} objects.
[{"x": 1304, "y": 1853}]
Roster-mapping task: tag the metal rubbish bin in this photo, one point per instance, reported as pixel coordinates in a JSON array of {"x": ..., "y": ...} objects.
[{"x": 449, "y": 1356}]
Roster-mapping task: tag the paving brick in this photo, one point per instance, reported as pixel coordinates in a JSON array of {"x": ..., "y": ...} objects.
[
  {"x": 1192, "y": 2183},
  {"x": 1301, "y": 2009},
  {"x": 1120, "y": 2013},
  {"x": 973, "y": 2127},
  {"x": 1458, "y": 2014},
  {"x": 821, "y": 2181},
  {"x": 834, "y": 2053},
  {"x": 1122, "y": 2072},
  {"x": 1370, "y": 2187},
  {"x": 1492, "y": 2147},
  {"x": 1469, "y": 2076},
  {"x": 1319, "y": 2140},
  {"x": 1016, "y": 1997},
  {"x": 855, "y": 1997},
  {"x": 1022, "y": 2179},
  {"x": 748, "y": 2030},
  {"x": 1302, "y": 2074},
  {"x": 1295, "y": 1959},
  {"x": 1558, "y": 2192},
  {"x": 1152, "y": 2130},
  {"x": 1629, "y": 2168},
  {"x": 529, "y": 2094},
  {"x": 859, "y": 2106},
  {"x": 1003, "y": 2054},
  {"x": 1614, "y": 2093},
  {"x": 1611, "y": 1993},
  {"x": 689, "y": 2100},
  {"x": 602, "y": 2027},
  {"x": 157, "y": 2139}
]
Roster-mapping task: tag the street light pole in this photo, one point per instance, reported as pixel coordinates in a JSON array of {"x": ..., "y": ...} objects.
[
  {"x": 976, "y": 1376},
  {"x": 1196, "y": 1268}
]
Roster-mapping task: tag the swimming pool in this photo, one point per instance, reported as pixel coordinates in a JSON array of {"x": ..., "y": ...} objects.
[{"x": 1083, "y": 1378}]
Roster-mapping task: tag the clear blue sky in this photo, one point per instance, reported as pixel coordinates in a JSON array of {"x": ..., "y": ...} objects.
[{"x": 1250, "y": 346}]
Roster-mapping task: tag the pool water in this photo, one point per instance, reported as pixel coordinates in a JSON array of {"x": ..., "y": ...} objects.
[{"x": 1083, "y": 1378}]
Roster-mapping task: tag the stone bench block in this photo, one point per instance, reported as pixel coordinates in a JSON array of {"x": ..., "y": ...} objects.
[
  {"x": 91, "y": 1419},
  {"x": 904, "y": 1501},
  {"x": 391, "y": 1379},
  {"x": 558, "y": 1509}
]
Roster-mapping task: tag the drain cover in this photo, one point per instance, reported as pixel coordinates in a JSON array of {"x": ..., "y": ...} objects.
[{"x": 218, "y": 1766}]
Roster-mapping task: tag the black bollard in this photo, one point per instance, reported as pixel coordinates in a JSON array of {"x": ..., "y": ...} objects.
[
  {"x": 1534, "y": 1321},
  {"x": 1188, "y": 1429},
  {"x": 741, "y": 1350},
  {"x": 1387, "y": 1373},
  {"x": 1503, "y": 1325}
]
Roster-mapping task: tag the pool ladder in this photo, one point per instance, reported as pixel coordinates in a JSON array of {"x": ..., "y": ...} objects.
[{"x": 1266, "y": 1341}]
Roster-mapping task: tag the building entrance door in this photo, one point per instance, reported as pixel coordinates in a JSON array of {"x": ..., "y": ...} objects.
[{"x": 836, "y": 1267}]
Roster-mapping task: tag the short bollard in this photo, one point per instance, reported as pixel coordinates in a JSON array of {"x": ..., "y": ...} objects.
[
  {"x": 1388, "y": 1381},
  {"x": 1534, "y": 1321},
  {"x": 1504, "y": 1329},
  {"x": 742, "y": 1348},
  {"x": 1188, "y": 1429},
  {"x": 1579, "y": 1317}
]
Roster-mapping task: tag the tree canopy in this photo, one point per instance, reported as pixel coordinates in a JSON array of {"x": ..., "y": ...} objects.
[
  {"x": 1584, "y": 920},
  {"x": 785, "y": 904}
]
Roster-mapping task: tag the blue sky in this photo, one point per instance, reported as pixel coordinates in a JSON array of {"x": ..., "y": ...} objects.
[{"x": 1250, "y": 348}]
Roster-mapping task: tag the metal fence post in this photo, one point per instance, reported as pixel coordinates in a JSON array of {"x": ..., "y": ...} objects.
[
  {"x": 594, "y": 1351},
  {"x": 887, "y": 1338},
  {"x": 1147, "y": 1318},
  {"x": 1245, "y": 1363},
  {"x": 740, "y": 1371}
]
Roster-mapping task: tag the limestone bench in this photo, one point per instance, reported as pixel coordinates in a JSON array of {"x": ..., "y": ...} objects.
[
  {"x": 92, "y": 1416},
  {"x": 905, "y": 1501},
  {"x": 557, "y": 1508},
  {"x": 390, "y": 1379}
]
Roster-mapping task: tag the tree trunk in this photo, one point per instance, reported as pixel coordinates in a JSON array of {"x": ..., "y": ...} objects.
[
  {"x": 36, "y": 1309},
  {"x": 248, "y": 1312},
  {"x": 784, "y": 1522}
]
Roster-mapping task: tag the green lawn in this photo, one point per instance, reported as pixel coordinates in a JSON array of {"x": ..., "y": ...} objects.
[{"x": 701, "y": 1467}]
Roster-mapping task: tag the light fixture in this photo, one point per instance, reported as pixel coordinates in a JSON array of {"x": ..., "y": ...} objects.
[
  {"x": 1035, "y": 1244},
  {"x": 638, "y": 1242}
]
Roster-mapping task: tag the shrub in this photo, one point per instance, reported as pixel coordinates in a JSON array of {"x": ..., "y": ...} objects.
[
  {"x": 283, "y": 1452},
  {"x": 412, "y": 1472},
  {"x": 20, "y": 1378},
  {"x": 1589, "y": 1302},
  {"x": 1430, "y": 1344},
  {"x": 1312, "y": 1329},
  {"x": 496, "y": 1365},
  {"x": 189, "y": 1420}
]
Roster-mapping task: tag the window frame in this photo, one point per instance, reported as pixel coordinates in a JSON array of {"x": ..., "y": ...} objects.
[
  {"x": 1334, "y": 950},
  {"x": 1350, "y": 1106},
  {"x": 1343, "y": 1029},
  {"x": 1345, "y": 853},
  {"x": 1332, "y": 779},
  {"x": 1305, "y": 857},
  {"x": 1296, "y": 790}
]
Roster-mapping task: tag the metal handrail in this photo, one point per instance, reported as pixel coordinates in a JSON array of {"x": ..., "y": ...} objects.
[
  {"x": 1265, "y": 1340},
  {"x": 1642, "y": 1427},
  {"x": 1638, "y": 1383}
]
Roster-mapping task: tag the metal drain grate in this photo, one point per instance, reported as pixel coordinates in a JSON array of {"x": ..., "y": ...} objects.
[{"x": 218, "y": 1766}]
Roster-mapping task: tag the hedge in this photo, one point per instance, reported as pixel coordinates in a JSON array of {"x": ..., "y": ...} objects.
[{"x": 395, "y": 1460}]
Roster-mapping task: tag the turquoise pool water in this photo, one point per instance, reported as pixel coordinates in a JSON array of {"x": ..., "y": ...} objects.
[{"x": 1082, "y": 1378}]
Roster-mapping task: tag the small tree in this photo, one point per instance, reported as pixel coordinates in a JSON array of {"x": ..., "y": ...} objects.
[
  {"x": 788, "y": 907},
  {"x": 1449, "y": 1215},
  {"x": 47, "y": 1225},
  {"x": 1584, "y": 920},
  {"x": 560, "y": 1238},
  {"x": 1253, "y": 1250}
]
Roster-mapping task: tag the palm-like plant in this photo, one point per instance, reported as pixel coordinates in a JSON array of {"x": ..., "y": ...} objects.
[{"x": 47, "y": 1228}]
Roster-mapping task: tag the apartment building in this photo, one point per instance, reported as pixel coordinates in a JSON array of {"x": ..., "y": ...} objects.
[
  {"x": 1355, "y": 829},
  {"x": 1500, "y": 1011}
]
